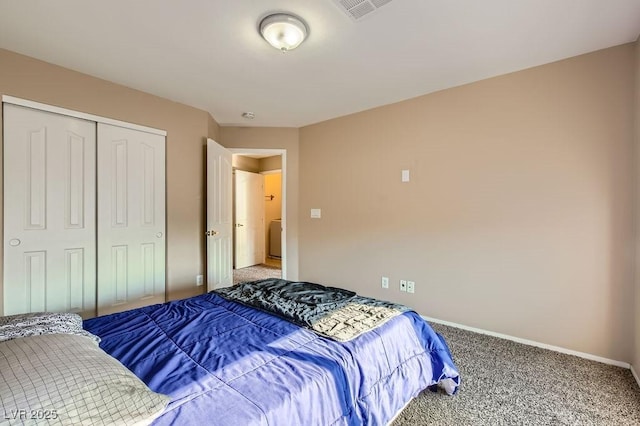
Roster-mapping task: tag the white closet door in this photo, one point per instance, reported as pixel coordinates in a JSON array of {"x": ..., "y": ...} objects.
[
  {"x": 131, "y": 218},
  {"x": 49, "y": 212}
]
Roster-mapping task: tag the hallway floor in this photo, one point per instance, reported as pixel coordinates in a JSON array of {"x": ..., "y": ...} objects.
[{"x": 270, "y": 269}]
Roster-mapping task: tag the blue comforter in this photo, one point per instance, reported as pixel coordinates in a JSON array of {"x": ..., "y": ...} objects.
[{"x": 225, "y": 363}]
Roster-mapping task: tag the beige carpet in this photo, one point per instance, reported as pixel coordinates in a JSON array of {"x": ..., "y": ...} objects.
[
  {"x": 256, "y": 272},
  {"x": 508, "y": 383}
]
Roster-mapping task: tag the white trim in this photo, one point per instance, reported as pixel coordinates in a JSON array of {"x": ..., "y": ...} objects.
[
  {"x": 84, "y": 116},
  {"x": 533, "y": 343},
  {"x": 635, "y": 375},
  {"x": 283, "y": 153}
]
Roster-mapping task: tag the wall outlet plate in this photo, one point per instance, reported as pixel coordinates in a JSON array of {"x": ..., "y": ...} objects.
[
  {"x": 411, "y": 286},
  {"x": 385, "y": 282},
  {"x": 403, "y": 285},
  {"x": 199, "y": 280}
]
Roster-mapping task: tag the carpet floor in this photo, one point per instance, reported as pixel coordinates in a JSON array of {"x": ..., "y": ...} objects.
[
  {"x": 508, "y": 383},
  {"x": 256, "y": 272}
]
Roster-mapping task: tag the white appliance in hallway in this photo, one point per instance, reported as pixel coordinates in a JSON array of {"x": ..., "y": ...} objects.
[{"x": 275, "y": 238}]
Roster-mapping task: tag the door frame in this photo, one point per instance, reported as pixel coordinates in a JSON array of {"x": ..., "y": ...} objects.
[{"x": 283, "y": 154}]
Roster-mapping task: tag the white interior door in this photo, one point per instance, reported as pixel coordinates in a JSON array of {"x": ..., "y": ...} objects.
[
  {"x": 131, "y": 218},
  {"x": 249, "y": 219},
  {"x": 219, "y": 217},
  {"x": 49, "y": 212}
]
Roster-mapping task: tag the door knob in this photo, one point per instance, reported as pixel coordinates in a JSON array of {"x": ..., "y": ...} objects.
[
  {"x": 211, "y": 233},
  {"x": 14, "y": 242},
  {"x": 159, "y": 235},
  {"x": 238, "y": 225}
]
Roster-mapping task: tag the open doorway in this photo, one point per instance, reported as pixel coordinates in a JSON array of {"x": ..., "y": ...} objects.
[{"x": 259, "y": 196}]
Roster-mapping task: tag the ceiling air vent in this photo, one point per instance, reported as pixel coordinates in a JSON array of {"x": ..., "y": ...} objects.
[{"x": 358, "y": 9}]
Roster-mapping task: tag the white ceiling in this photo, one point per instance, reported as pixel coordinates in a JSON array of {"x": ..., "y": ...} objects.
[{"x": 208, "y": 53}]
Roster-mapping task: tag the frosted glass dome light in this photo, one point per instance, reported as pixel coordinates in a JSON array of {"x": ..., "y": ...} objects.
[{"x": 283, "y": 31}]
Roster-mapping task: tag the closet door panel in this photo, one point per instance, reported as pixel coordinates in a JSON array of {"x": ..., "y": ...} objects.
[
  {"x": 49, "y": 212},
  {"x": 131, "y": 218}
]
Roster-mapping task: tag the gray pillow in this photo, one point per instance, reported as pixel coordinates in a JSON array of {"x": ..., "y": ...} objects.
[
  {"x": 33, "y": 324},
  {"x": 67, "y": 379}
]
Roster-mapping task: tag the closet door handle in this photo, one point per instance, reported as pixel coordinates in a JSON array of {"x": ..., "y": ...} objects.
[
  {"x": 211, "y": 233},
  {"x": 159, "y": 235}
]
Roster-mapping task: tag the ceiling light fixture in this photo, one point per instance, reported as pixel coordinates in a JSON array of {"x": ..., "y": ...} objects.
[{"x": 283, "y": 31}]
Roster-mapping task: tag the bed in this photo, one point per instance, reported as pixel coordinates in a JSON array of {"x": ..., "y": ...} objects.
[{"x": 230, "y": 362}]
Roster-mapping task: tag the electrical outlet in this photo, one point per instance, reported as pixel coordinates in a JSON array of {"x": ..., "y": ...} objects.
[
  {"x": 385, "y": 282},
  {"x": 199, "y": 280},
  {"x": 403, "y": 285},
  {"x": 411, "y": 286}
]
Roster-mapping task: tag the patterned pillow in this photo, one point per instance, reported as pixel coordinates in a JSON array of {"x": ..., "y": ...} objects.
[
  {"x": 63, "y": 379},
  {"x": 33, "y": 324}
]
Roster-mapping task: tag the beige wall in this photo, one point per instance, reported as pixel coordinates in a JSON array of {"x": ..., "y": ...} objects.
[
  {"x": 636, "y": 359},
  {"x": 271, "y": 163},
  {"x": 186, "y": 128},
  {"x": 275, "y": 138},
  {"x": 517, "y": 218},
  {"x": 213, "y": 130},
  {"x": 256, "y": 165},
  {"x": 248, "y": 164}
]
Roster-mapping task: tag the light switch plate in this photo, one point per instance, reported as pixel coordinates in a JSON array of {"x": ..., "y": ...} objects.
[
  {"x": 405, "y": 175},
  {"x": 316, "y": 213}
]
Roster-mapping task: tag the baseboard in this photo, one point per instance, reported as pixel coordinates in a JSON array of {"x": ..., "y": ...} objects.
[
  {"x": 536, "y": 344},
  {"x": 635, "y": 375}
]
